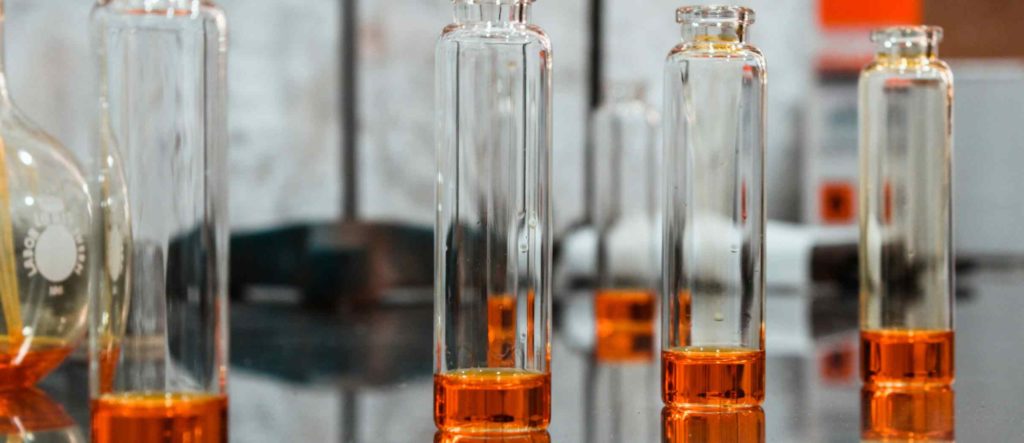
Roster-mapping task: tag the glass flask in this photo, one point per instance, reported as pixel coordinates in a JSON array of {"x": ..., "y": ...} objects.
[
  {"x": 29, "y": 415},
  {"x": 624, "y": 211},
  {"x": 493, "y": 231},
  {"x": 713, "y": 258},
  {"x": 45, "y": 219},
  {"x": 906, "y": 266},
  {"x": 159, "y": 338}
]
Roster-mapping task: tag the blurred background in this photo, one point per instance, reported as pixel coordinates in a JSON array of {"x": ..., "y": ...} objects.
[{"x": 331, "y": 172}]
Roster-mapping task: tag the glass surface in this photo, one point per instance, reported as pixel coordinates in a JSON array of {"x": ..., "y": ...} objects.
[
  {"x": 713, "y": 284},
  {"x": 45, "y": 220},
  {"x": 906, "y": 98},
  {"x": 31, "y": 416},
  {"x": 159, "y": 342}
]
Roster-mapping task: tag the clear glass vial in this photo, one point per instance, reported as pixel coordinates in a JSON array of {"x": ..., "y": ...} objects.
[
  {"x": 906, "y": 258},
  {"x": 624, "y": 171},
  {"x": 45, "y": 220},
  {"x": 493, "y": 231},
  {"x": 713, "y": 257},
  {"x": 159, "y": 341}
]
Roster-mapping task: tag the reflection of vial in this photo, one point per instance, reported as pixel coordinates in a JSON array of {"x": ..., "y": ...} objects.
[
  {"x": 906, "y": 274},
  {"x": 697, "y": 425},
  {"x": 158, "y": 339},
  {"x": 625, "y": 179},
  {"x": 713, "y": 284},
  {"x": 908, "y": 413},
  {"x": 493, "y": 238}
]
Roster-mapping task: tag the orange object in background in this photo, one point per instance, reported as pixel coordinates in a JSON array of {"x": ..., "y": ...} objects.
[
  {"x": 849, "y": 13},
  {"x": 915, "y": 414},
  {"x": 838, "y": 203},
  {"x": 21, "y": 368},
  {"x": 712, "y": 377},
  {"x": 501, "y": 329},
  {"x": 704, "y": 425},
  {"x": 492, "y": 400},
  {"x": 903, "y": 356},
  {"x": 625, "y": 325},
  {"x": 839, "y": 363},
  {"x": 160, "y": 417}
]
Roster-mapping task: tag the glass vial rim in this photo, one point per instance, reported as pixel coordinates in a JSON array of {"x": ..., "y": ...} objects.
[
  {"x": 906, "y": 35},
  {"x": 705, "y": 15}
]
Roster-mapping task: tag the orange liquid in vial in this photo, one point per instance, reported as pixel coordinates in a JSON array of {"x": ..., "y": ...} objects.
[
  {"x": 23, "y": 369},
  {"x": 732, "y": 425},
  {"x": 108, "y": 366},
  {"x": 907, "y": 356},
  {"x": 504, "y": 437},
  {"x": 489, "y": 400},
  {"x": 625, "y": 325},
  {"x": 501, "y": 329},
  {"x": 712, "y": 376},
  {"x": 160, "y": 418},
  {"x": 908, "y": 414}
]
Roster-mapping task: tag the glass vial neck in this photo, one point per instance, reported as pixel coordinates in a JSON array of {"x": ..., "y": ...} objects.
[
  {"x": 906, "y": 43},
  {"x": 714, "y": 24},
  {"x": 492, "y": 11},
  {"x": 155, "y": 5}
]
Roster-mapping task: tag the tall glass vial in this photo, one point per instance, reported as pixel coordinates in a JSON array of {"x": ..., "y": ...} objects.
[
  {"x": 493, "y": 232},
  {"x": 624, "y": 210},
  {"x": 159, "y": 351},
  {"x": 906, "y": 266},
  {"x": 713, "y": 257}
]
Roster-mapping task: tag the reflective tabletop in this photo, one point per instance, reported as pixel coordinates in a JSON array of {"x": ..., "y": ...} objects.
[{"x": 304, "y": 375}]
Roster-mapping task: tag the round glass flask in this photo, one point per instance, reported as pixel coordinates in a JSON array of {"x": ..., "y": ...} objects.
[{"x": 44, "y": 231}]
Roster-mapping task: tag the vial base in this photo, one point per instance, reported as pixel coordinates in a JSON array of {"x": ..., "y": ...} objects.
[
  {"x": 705, "y": 376},
  {"x": 732, "y": 425},
  {"x": 625, "y": 325},
  {"x": 160, "y": 417},
  {"x": 19, "y": 371},
  {"x": 916, "y": 414},
  {"x": 492, "y": 400},
  {"x": 902, "y": 356},
  {"x": 525, "y": 437}
]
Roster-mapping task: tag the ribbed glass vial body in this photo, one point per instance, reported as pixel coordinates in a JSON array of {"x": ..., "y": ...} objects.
[
  {"x": 713, "y": 280},
  {"x": 906, "y": 258},
  {"x": 493, "y": 226},
  {"x": 159, "y": 324}
]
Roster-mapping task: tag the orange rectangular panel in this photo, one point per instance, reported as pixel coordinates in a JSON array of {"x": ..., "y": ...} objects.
[{"x": 844, "y": 13}]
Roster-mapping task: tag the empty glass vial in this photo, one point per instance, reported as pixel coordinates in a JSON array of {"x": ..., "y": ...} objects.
[
  {"x": 159, "y": 327},
  {"x": 713, "y": 258},
  {"x": 906, "y": 266},
  {"x": 625, "y": 183},
  {"x": 45, "y": 240},
  {"x": 493, "y": 231}
]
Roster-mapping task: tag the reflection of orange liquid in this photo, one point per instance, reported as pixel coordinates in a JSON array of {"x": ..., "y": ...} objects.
[
  {"x": 19, "y": 370},
  {"x": 501, "y": 329},
  {"x": 712, "y": 376},
  {"x": 108, "y": 365},
  {"x": 922, "y": 413},
  {"x": 24, "y": 411},
  {"x": 474, "y": 400},
  {"x": 907, "y": 356},
  {"x": 625, "y": 325},
  {"x": 527, "y": 437},
  {"x": 682, "y": 318},
  {"x": 159, "y": 417},
  {"x": 733, "y": 425}
]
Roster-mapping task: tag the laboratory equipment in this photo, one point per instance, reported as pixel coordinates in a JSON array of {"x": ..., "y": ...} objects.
[
  {"x": 923, "y": 413},
  {"x": 624, "y": 168},
  {"x": 720, "y": 425},
  {"x": 906, "y": 271},
  {"x": 713, "y": 257},
  {"x": 159, "y": 324},
  {"x": 493, "y": 232},
  {"x": 29, "y": 415},
  {"x": 45, "y": 237}
]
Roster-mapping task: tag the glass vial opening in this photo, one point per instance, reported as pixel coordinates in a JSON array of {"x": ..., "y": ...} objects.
[
  {"x": 907, "y": 41},
  {"x": 714, "y": 23},
  {"x": 492, "y": 11}
]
